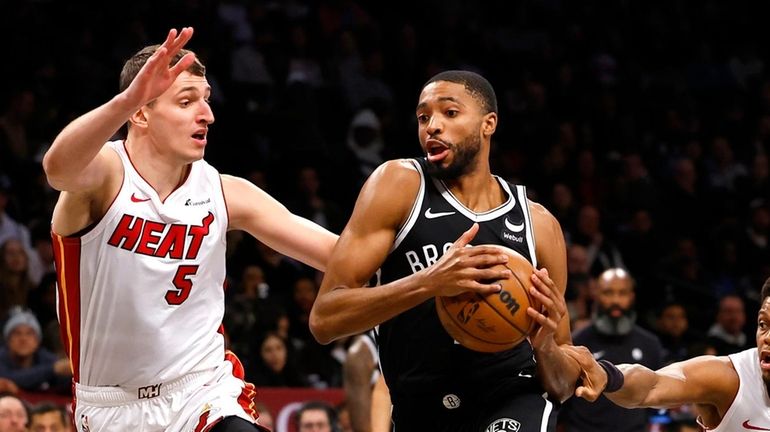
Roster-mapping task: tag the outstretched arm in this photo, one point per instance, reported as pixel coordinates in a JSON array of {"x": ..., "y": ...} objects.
[
  {"x": 253, "y": 210},
  {"x": 344, "y": 305},
  {"x": 705, "y": 380},
  {"x": 557, "y": 371},
  {"x": 74, "y": 161}
]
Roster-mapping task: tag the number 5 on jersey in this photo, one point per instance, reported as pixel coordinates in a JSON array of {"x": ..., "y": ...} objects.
[{"x": 183, "y": 285}]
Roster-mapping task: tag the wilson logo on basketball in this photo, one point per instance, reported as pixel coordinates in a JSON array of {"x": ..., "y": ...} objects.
[{"x": 510, "y": 302}]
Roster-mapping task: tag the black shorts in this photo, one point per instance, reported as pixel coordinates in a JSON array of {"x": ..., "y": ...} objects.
[{"x": 526, "y": 412}]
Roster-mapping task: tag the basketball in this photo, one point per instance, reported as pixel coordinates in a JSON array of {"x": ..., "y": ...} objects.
[{"x": 492, "y": 322}]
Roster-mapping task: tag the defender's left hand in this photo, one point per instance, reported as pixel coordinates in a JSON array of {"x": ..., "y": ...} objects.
[{"x": 553, "y": 307}]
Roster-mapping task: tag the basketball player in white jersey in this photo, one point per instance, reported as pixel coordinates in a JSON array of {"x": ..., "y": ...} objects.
[
  {"x": 730, "y": 393},
  {"x": 139, "y": 234}
]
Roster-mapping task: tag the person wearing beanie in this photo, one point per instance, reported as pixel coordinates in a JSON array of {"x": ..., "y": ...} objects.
[{"x": 25, "y": 362}]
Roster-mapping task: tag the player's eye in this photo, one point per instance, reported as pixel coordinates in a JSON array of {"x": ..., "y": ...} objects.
[
  {"x": 452, "y": 113},
  {"x": 422, "y": 118}
]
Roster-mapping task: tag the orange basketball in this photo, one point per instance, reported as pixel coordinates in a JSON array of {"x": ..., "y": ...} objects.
[{"x": 493, "y": 322}]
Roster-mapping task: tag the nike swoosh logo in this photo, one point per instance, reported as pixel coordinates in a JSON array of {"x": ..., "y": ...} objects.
[
  {"x": 514, "y": 228},
  {"x": 430, "y": 215},
  {"x": 523, "y": 375},
  {"x": 748, "y": 426},
  {"x": 135, "y": 199}
]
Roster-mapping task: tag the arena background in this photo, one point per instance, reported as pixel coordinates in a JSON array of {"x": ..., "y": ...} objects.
[{"x": 643, "y": 126}]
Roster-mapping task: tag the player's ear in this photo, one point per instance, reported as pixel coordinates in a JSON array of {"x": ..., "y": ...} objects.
[
  {"x": 139, "y": 118},
  {"x": 489, "y": 124}
]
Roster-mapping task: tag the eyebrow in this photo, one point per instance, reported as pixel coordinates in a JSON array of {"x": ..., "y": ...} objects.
[
  {"x": 422, "y": 105},
  {"x": 191, "y": 89}
]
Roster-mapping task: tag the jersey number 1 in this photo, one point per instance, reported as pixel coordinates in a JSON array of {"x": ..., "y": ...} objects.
[{"x": 183, "y": 285}]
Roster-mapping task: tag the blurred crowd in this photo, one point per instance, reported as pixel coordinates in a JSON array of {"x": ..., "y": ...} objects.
[{"x": 644, "y": 127}]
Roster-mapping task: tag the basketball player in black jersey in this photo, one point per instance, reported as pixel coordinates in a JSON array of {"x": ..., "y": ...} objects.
[{"x": 410, "y": 228}]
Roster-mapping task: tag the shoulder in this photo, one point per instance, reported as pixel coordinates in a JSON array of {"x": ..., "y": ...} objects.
[
  {"x": 541, "y": 215},
  {"x": 396, "y": 179},
  {"x": 398, "y": 170}
]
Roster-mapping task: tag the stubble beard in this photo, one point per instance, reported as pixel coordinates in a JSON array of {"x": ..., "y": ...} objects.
[{"x": 465, "y": 155}]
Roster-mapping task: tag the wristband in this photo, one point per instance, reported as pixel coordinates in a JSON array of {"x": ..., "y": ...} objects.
[{"x": 615, "y": 377}]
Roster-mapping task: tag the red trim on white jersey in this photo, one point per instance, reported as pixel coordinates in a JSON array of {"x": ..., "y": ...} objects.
[{"x": 67, "y": 259}]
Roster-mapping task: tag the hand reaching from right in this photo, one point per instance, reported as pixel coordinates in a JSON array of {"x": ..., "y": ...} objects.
[{"x": 593, "y": 376}]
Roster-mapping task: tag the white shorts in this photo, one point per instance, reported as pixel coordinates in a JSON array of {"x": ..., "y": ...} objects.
[{"x": 192, "y": 403}]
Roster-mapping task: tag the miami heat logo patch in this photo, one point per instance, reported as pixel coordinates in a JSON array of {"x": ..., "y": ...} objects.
[{"x": 504, "y": 425}]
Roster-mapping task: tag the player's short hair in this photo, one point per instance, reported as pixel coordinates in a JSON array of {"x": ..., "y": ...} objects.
[
  {"x": 766, "y": 290},
  {"x": 134, "y": 64},
  {"x": 475, "y": 84}
]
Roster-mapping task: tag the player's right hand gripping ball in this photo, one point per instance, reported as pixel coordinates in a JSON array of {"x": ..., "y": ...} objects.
[{"x": 493, "y": 322}]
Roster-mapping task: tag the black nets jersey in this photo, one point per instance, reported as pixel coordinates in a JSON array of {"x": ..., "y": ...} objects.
[{"x": 417, "y": 356}]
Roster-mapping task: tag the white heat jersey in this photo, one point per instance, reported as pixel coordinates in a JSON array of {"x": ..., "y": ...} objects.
[
  {"x": 141, "y": 295},
  {"x": 751, "y": 408}
]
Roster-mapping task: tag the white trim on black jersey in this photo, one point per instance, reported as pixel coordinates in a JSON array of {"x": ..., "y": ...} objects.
[
  {"x": 470, "y": 214},
  {"x": 522, "y": 191},
  {"x": 414, "y": 213}
]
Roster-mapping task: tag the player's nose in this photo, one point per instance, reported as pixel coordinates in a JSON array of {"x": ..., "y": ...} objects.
[{"x": 206, "y": 114}]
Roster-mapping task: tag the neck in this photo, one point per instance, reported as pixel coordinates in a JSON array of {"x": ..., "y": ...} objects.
[
  {"x": 162, "y": 172},
  {"x": 478, "y": 190}
]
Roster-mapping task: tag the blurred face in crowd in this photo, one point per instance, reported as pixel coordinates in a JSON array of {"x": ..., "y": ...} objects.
[
  {"x": 274, "y": 353},
  {"x": 673, "y": 320},
  {"x": 615, "y": 298},
  {"x": 314, "y": 420},
  {"x": 450, "y": 122},
  {"x": 23, "y": 341},
  {"x": 305, "y": 291},
  {"x": 14, "y": 256},
  {"x": 732, "y": 315},
  {"x": 13, "y": 416},
  {"x": 616, "y": 292},
  {"x": 51, "y": 421}
]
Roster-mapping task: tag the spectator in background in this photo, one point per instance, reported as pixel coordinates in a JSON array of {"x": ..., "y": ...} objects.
[
  {"x": 316, "y": 416},
  {"x": 14, "y": 414},
  {"x": 266, "y": 417},
  {"x": 41, "y": 255},
  {"x": 680, "y": 342},
  {"x": 24, "y": 361},
  {"x": 275, "y": 367},
  {"x": 15, "y": 284},
  {"x": 245, "y": 313},
  {"x": 48, "y": 417},
  {"x": 580, "y": 287},
  {"x": 613, "y": 335},
  {"x": 365, "y": 142},
  {"x": 311, "y": 205},
  {"x": 602, "y": 254},
  {"x": 9, "y": 227},
  {"x": 726, "y": 335}
]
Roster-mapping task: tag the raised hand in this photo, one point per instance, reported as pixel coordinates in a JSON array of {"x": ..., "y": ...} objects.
[
  {"x": 554, "y": 307},
  {"x": 156, "y": 76},
  {"x": 463, "y": 268},
  {"x": 594, "y": 378}
]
